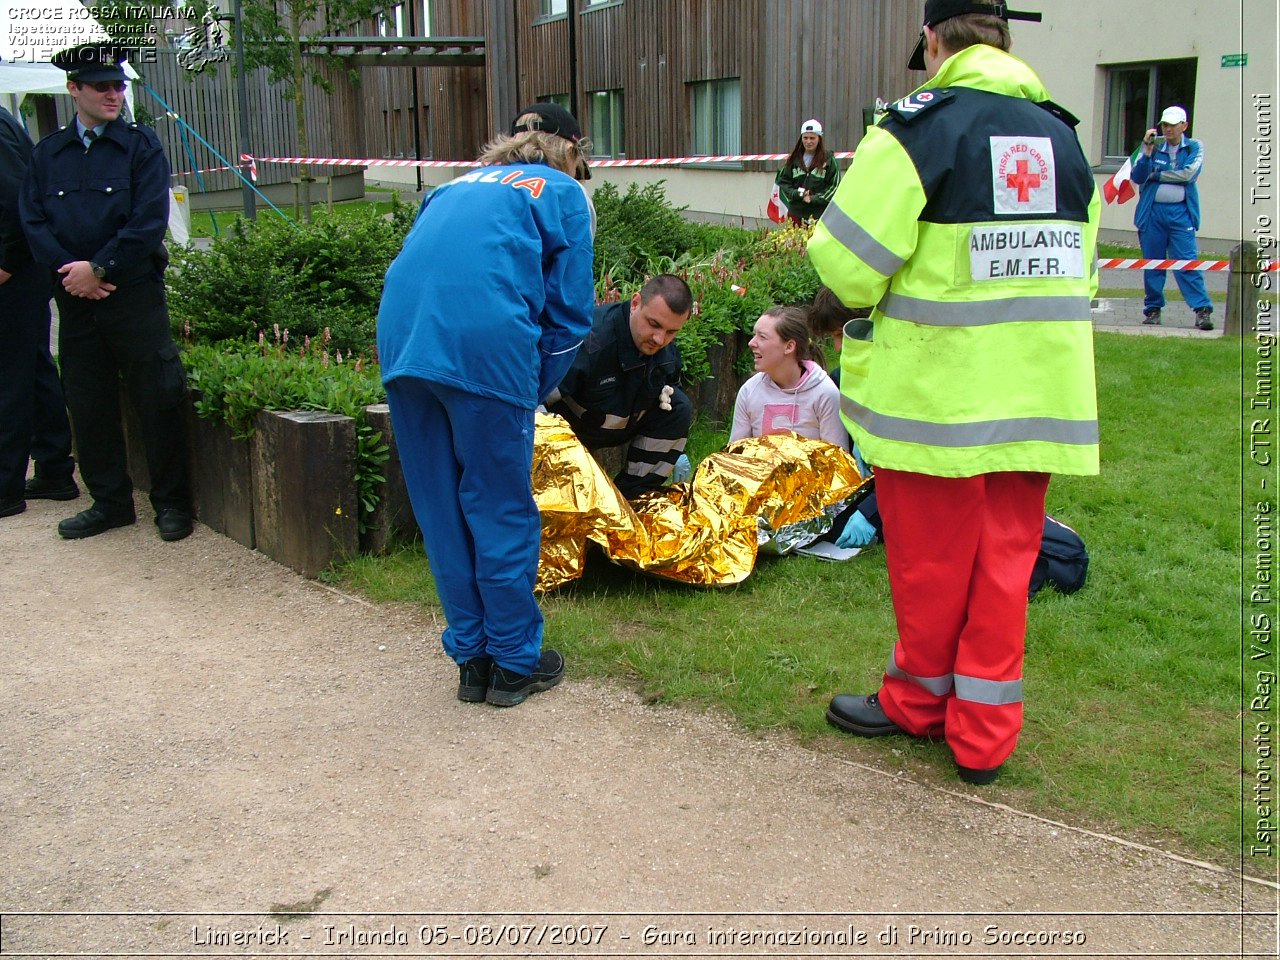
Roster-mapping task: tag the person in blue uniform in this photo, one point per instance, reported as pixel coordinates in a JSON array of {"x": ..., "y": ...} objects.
[
  {"x": 624, "y": 385},
  {"x": 1168, "y": 214},
  {"x": 94, "y": 208},
  {"x": 481, "y": 315},
  {"x": 33, "y": 413}
]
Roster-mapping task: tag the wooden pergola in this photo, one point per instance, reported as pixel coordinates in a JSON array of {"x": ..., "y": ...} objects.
[{"x": 401, "y": 51}]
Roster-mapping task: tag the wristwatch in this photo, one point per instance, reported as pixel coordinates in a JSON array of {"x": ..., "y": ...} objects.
[{"x": 99, "y": 271}]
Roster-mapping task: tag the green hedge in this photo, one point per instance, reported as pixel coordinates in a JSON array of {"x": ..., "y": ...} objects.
[
  {"x": 321, "y": 282},
  {"x": 271, "y": 274}
]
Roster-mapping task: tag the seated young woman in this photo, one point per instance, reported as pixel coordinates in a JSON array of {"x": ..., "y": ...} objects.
[{"x": 790, "y": 390}]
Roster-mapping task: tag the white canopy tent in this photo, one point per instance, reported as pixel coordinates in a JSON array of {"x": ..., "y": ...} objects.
[{"x": 27, "y": 44}]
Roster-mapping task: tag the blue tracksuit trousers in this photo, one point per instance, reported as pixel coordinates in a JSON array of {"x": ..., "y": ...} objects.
[
  {"x": 1169, "y": 235},
  {"x": 467, "y": 461}
]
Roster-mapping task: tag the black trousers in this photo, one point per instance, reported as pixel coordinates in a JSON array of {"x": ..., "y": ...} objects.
[
  {"x": 655, "y": 439},
  {"x": 99, "y": 342},
  {"x": 33, "y": 413}
]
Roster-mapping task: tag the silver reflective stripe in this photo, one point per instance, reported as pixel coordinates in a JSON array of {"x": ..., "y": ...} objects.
[
  {"x": 981, "y": 313},
  {"x": 655, "y": 445},
  {"x": 610, "y": 421},
  {"x": 996, "y": 693},
  {"x": 860, "y": 243},
  {"x": 637, "y": 469},
  {"x": 578, "y": 409},
  {"x": 978, "y": 433},
  {"x": 938, "y": 686}
]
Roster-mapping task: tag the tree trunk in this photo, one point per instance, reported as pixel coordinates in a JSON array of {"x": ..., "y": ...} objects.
[{"x": 300, "y": 112}]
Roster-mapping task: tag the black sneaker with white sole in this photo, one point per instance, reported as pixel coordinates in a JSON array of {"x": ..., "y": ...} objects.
[{"x": 506, "y": 689}]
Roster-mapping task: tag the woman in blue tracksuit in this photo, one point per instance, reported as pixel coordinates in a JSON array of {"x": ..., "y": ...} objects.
[{"x": 481, "y": 315}]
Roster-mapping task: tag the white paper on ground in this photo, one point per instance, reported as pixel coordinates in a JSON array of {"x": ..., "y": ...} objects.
[{"x": 825, "y": 550}]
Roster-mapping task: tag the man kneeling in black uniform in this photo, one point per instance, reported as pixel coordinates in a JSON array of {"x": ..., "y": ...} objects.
[{"x": 623, "y": 386}]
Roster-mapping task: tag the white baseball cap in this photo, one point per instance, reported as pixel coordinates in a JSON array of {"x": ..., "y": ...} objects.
[
  {"x": 1173, "y": 115},
  {"x": 811, "y": 126}
]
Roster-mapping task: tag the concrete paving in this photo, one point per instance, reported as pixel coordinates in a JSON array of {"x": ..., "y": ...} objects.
[{"x": 1124, "y": 315}]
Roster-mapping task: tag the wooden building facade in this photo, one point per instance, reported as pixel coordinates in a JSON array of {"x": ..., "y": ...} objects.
[
  {"x": 647, "y": 78},
  {"x": 710, "y": 76}
]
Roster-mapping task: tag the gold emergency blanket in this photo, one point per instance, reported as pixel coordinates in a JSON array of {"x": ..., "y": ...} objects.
[{"x": 763, "y": 493}]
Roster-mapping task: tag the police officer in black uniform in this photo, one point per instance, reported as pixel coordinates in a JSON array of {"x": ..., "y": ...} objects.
[
  {"x": 33, "y": 413},
  {"x": 623, "y": 386},
  {"x": 95, "y": 207}
]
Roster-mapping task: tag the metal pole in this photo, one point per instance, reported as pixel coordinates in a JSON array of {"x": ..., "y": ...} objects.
[
  {"x": 242, "y": 95},
  {"x": 413, "y": 99}
]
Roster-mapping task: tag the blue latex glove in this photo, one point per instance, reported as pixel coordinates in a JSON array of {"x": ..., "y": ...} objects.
[
  {"x": 682, "y": 471},
  {"x": 858, "y": 532},
  {"x": 862, "y": 464}
]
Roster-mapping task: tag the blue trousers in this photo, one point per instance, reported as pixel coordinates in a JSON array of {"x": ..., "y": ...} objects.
[
  {"x": 467, "y": 463},
  {"x": 1169, "y": 235}
]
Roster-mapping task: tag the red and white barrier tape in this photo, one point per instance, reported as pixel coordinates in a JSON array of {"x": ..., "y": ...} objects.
[
  {"x": 192, "y": 173},
  {"x": 1164, "y": 264},
  {"x": 1113, "y": 264},
  {"x": 649, "y": 162}
]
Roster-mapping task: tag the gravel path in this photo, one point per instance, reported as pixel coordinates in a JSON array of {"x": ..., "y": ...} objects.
[{"x": 205, "y": 754}]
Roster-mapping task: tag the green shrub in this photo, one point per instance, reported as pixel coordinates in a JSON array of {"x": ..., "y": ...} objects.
[
  {"x": 779, "y": 262},
  {"x": 303, "y": 278},
  {"x": 734, "y": 243},
  {"x": 634, "y": 228},
  {"x": 727, "y": 300}
]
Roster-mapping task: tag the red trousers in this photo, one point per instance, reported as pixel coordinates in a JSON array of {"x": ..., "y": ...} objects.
[{"x": 960, "y": 552}]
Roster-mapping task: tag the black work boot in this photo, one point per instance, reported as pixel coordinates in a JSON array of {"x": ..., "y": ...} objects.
[
  {"x": 473, "y": 679},
  {"x": 91, "y": 522},
  {"x": 862, "y": 715},
  {"x": 506, "y": 689},
  {"x": 52, "y": 488}
]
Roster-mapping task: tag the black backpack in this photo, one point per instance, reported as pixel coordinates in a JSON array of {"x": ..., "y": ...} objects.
[{"x": 1063, "y": 562}]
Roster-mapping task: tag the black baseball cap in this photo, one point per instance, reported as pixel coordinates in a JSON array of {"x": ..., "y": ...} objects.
[
  {"x": 555, "y": 119},
  {"x": 552, "y": 118},
  {"x": 91, "y": 62},
  {"x": 935, "y": 11}
]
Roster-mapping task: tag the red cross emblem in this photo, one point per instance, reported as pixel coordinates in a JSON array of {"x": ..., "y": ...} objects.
[{"x": 1023, "y": 180}]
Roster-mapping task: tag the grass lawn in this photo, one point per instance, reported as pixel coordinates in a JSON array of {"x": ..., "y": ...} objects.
[
  {"x": 205, "y": 223},
  {"x": 1132, "y": 685}
]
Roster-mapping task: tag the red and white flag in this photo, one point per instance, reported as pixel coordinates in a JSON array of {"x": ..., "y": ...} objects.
[
  {"x": 777, "y": 210},
  {"x": 1120, "y": 189}
]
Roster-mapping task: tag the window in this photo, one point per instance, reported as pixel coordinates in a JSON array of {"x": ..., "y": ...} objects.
[
  {"x": 717, "y": 117},
  {"x": 605, "y": 129},
  {"x": 553, "y": 8},
  {"x": 393, "y": 21},
  {"x": 1136, "y": 95}
]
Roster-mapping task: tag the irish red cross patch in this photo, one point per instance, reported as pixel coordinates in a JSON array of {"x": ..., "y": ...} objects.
[{"x": 1023, "y": 175}]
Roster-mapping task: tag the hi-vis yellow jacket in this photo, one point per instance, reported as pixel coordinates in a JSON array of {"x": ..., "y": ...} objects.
[{"x": 969, "y": 219}]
